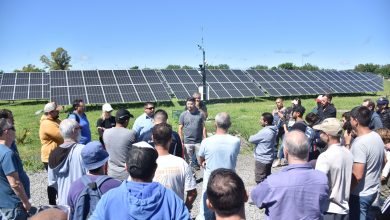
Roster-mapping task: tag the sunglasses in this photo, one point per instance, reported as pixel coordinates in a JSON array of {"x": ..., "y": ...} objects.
[{"x": 150, "y": 108}]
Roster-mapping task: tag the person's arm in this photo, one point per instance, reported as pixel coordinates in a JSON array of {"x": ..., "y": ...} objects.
[
  {"x": 347, "y": 140},
  {"x": 53, "y": 132},
  {"x": 191, "y": 196},
  {"x": 256, "y": 138},
  {"x": 17, "y": 187},
  {"x": 180, "y": 131},
  {"x": 204, "y": 131},
  {"x": 386, "y": 168},
  {"x": 260, "y": 193},
  {"x": 202, "y": 162},
  {"x": 357, "y": 174}
]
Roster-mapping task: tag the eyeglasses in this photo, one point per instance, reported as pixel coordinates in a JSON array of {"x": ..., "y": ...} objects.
[{"x": 150, "y": 108}]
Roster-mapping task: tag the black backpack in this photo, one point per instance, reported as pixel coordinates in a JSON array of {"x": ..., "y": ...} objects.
[{"x": 89, "y": 197}]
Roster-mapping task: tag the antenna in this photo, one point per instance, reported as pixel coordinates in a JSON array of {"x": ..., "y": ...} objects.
[{"x": 203, "y": 70}]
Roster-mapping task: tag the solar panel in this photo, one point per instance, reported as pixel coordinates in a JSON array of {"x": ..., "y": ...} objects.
[
  {"x": 350, "y": 81},
  {"x": 288, "y": 82},
  {"x": 112, "y": 86},
  {"x": 23, "y": 85},
  {"x": 222, "y": 83}
]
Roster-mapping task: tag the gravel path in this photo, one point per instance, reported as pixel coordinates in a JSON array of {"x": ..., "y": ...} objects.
[{"x": 245, "y": 169}]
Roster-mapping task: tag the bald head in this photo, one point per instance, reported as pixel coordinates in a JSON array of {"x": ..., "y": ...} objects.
[{"x": 296, "y": 145}]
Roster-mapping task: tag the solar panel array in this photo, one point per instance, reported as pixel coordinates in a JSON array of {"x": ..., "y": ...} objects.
[
  {"x": 122, "y": 86},
  {"x": 18, "y": 86},
  {"x": 222, "y": 84},
  {"x": 106, "y": 86},
  {"x": 350, "y": 82},
  {"x": 288, "y": 83}
]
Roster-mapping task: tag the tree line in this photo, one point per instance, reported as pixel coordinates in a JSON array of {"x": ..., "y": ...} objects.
[{"x": 60, "y": 60}]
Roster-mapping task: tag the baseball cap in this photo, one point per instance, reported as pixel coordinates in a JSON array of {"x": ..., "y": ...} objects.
[
  {"x": 143, "y": 144},
  {"x": 123, "y": 114},
  {"x": 382, "y": 101},
  {"x": 107, "y": 107},
  {"x": 330, "y": 126},
  {"x": 93, "y": 155},
  {"x": 51, "y": 106}
]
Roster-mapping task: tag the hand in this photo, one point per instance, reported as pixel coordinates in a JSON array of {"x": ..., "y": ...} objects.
[
  {"x": 203, "y": 165},
  {"x": 387, "y": 146},
  {"x": 347, "y": 138},
  {"x": 27, "y": 206}
]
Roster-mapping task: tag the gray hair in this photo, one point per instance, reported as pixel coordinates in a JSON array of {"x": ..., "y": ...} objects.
[
  {"x": 222, "y": 120},
  {"x": 67, "y": 128},
  {"x": 4, "y": 125},
  {"x": 296, "y": 144}
]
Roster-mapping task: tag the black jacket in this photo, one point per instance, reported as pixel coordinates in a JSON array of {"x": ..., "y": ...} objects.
[{"x": 327, "y": 112}]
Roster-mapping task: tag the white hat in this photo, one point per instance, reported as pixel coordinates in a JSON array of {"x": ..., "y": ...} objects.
[
  {"x": 51, "y": 106},
  {"x": 107, "y": 107},
  {"x": 330, "y": 126}
]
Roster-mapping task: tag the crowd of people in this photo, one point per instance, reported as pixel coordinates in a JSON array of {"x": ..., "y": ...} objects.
[{"x": 334, "y": 169}]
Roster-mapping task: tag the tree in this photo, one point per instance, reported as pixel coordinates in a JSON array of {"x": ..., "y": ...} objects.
[
  {"x": 368, "y": 67},
  {"x": 134, "y": 67},
  {"x": 30, "y": 68},
  {"x": 59, "y": 60},
  {"x": 287, "y": 66},
  {"x": 186, "y": 67},
  {"x": 384, "y": 70},
  {"x": 1, "y": 71},
  {"x": 309, "y": 67},
  {"x": 173, "y": 67},
  {"x": 259, "y": 67},
  {"x": 274, "y": 68},
  {"x": 220, "y": 66}
]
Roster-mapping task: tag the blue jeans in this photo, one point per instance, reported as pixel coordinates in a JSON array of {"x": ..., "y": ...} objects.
[
  {"x": 17, "y": 213},
  {"x": 360, "y": 205},
  {"x": 280, "y": 152}
]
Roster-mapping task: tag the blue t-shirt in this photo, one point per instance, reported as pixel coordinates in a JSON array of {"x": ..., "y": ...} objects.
[
  {"x": 219, "y": 151},
  {"x": 9, "y": 163},
  {"x": 85, "y": 131}
]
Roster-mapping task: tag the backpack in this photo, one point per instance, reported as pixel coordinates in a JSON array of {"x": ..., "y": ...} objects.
[
  {"x": 311, "y": 136},
  {"x": 75, "y": 115},
  {"x": 89, "y": 197}
]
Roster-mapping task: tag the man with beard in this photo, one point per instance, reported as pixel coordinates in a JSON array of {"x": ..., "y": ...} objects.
[
  {"x": 368, "y": 154},
  {"x": 375, "y": 119},
  {"x": 326, "y": 109},
  {"x": 49, "y": 133},
  {"x": 336, "y": 162},
  {"x": 383, "y": 110}
]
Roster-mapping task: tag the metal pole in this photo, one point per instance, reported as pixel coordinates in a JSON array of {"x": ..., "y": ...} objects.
[{"x": 204, "y": 76}]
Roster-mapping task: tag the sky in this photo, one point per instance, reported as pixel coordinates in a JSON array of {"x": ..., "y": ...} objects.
[{"x": 119, "y": 34}]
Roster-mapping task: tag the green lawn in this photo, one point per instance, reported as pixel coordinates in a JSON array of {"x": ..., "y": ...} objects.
[{"x": 245, "y": 118}]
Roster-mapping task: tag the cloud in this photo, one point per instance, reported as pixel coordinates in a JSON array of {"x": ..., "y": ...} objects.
[
  {"x": 367, "y": 40},
  {"x": 344, "y": 62},
  {"x": 84, "y": 58},
  {"x": 308, "y": 54},
  {"x": 284, "y": 51}
]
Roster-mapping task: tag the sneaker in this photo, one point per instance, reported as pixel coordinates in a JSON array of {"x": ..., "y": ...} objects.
[{"x": 276, "y": 163}]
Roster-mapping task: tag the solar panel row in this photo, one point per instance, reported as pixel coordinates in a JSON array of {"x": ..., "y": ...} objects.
[
  {"x": 222, "y": 83},
  {"x": 18, "y": 86},
  {"x": 101, "y": 86},
  {"x": 117, "y": 86}
]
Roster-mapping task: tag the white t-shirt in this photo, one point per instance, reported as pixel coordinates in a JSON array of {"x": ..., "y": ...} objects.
[
  {"x": 336, "y": 162},
  {"x": 175, "y": 174},
  {"x": 368, "y": 149}
]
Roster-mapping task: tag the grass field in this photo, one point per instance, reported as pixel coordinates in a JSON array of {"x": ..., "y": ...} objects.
[{"x": 244, "y": 114}]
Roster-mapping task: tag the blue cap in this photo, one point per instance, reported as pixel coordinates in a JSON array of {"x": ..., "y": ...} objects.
[
  {"x": 382, "y": 101},
  {"x": 94, "y": 155}
]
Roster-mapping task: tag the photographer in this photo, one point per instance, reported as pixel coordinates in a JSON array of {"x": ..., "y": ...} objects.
[{"x": 349, "y": 134}]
